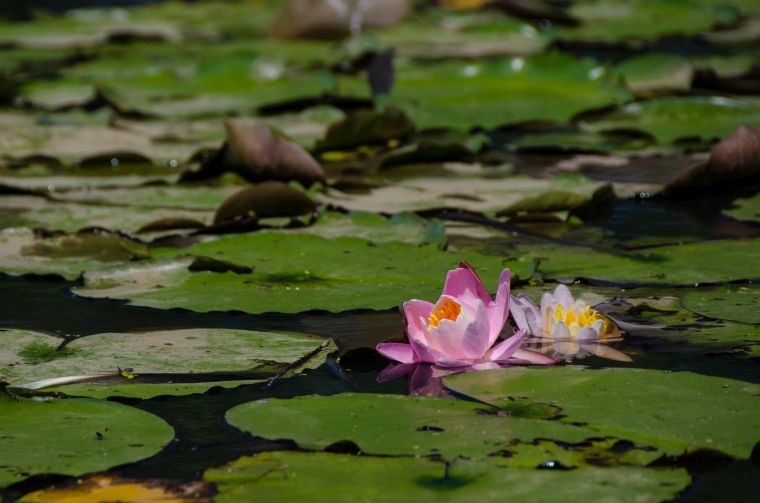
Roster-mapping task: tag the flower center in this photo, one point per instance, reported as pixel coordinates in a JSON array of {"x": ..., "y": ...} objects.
[
  {"x": 575, "y": 319},
  {"x": 446, "y": 309}
]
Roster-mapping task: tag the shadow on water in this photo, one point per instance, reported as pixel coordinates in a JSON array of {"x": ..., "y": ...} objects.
[{"x": 49, "y": 306}]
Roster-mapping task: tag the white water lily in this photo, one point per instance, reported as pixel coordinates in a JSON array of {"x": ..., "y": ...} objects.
[{"x": 561, "y": 317}]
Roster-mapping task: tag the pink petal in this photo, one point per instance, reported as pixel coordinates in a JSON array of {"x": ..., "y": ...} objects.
[
  {"x": 563, "y": 295},
  {"x": 505, "y": 349},
  {"x": 518, "y": 314},
  {"x": 465, "y": 286},
  {"x": 532, "y": 357},
  {"x": 531, "y": 314},
  {"x": 450, "y": 363},
  {"x": 466, "y": 338},
  {"x": 397, "y": 351},
  {"x": 416, "y": 312},
  {"x": 498, "y": 311}
]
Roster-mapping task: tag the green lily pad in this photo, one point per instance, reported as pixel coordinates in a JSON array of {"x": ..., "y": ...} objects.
[
  {"x": 74, "y": 437},
  {"x": 37, "y": 212},
  {"x": 550, "y": 87},
  {"x": 293, "y": 273},
  {"x": 676, "y": 411},
  {"x": 199, "y": 79},
  {"x": 656, "y": 73},
  {"x": 675, "y": 117},
  {"x": 685, "y": 264},
  {"x": 129, "y": 389},
  {"x": 434, "y": 34},
  {"x": 404, "y": 426},
  {"x": 402, "y": 227},
  {"x": 736, "y": 303},
  {"x": 214, "y": 352},
  {"x": 24, "y": 252},
  {"x": 664, "y": 322},
  {"x": 747, "y": 209},
  {"x": 640, "y": 20},
  {"x": 342, "y": 478},
  {"x": 468, "y": 187}
]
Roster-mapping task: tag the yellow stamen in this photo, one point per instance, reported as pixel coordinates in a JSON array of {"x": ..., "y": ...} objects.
[
  {"x": 575, "y": 320},
  {"x": 447, "y": 309}
]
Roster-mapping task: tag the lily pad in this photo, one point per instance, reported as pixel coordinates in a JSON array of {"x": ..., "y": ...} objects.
[
  {"x": 619, "y": 402},
  {"x": 685, "y": 264},
  {"x": 676, "y": 117},
  {"x": 550, "y": 87},
  {"x": 745, "y": 209},
  {"x": 736, "y": 303},
  {"x": 457, "y": 186},
  {"x": 402, "y": 227},
  {"x": 433, "y": 34},
  {"x": 293, "y": 273},
  {"x": 640, "y": 20},
  {"x": 338, "y": 478},
  {"x": 37, "y": 212},
  {"x": 663, "y": 321},
  {"x": 80, "y": 436},
  {"x": 655, "y": 74},
  {"x": 404, "y": 426},
  {"x": 208, "y": 354},
  {"x": 24, "y": 252}
]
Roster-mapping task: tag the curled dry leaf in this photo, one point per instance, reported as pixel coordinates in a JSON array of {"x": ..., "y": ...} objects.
[
  {"x": 733, "y": 162},
  {"x": 264, "y": 200},
  {"x": 330, "y": 20},
  {"x": 257, "y": 153}
]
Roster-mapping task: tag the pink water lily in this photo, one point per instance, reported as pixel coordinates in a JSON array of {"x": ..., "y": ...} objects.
[{"x": 462, "y": 328}]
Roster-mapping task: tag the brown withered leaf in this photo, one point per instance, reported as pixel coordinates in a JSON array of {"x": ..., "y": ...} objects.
[
  {"x": 257, "y": 153},
  {"x": 734, "y": 163},
  {"x": 264, "y": 200}
]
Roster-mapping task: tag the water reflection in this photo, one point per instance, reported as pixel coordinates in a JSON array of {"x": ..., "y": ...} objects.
[
  {"x": 573, "y": 349},
  {"x": 424, "y": 379}
]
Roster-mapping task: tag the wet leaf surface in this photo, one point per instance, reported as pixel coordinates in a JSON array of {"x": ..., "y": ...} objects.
[
  {"x": 675, "y": 422},
  {"x": 71, "y": 444},
  {"x": 190, "y": 360},
  {"x": 292, "y": 273},
  {"x": 304, "y": 475}
]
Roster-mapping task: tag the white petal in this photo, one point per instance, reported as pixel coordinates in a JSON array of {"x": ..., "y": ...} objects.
[
  {"x": 560, "y": 331},
  {"x": 563, "y": 295}
]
